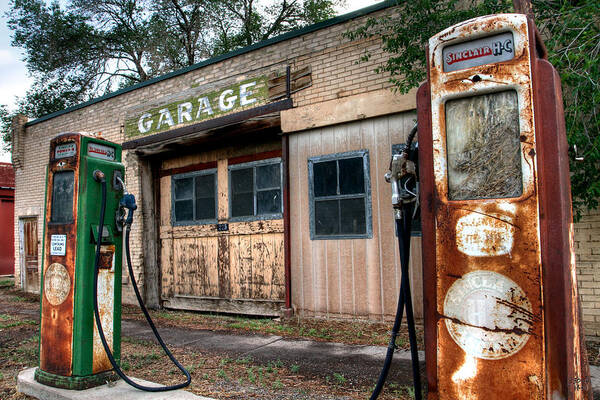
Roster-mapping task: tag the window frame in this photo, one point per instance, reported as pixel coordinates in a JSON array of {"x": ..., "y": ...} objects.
[
  {"x": 194, "y": 174},
  {"x": 364, "y": 153},
  {"x": 254, "y": 165}
]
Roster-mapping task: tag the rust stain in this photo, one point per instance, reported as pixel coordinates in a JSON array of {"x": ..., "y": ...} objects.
[
  {"x": 56, "y": 349},
  {"x": 487, "y": 256},
  {"x": 106, "y": 294}
]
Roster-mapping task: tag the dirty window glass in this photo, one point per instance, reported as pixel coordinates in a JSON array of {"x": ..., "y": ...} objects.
[
  {"x": 483, "y": 147},
  {"x": 63, "y": 186},
  {"x": 339, "y": 196},
  {"x": 255, "y": 190},
  {"x": 194, "y": 197}
]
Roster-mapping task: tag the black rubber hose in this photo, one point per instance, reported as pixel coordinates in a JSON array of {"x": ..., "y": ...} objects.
[
  {"x": 403, "y": 227},
  {"x": 407, "y": 212},
  {"x": 143, "y": 307}
]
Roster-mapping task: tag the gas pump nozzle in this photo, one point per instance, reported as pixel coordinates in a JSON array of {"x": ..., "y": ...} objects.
[
  {"x": 126, "y": 202},
  {"x": 403, "y": 177}
]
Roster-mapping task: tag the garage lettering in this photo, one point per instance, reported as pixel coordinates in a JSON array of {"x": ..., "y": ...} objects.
[{"x": 200, "y": 108}]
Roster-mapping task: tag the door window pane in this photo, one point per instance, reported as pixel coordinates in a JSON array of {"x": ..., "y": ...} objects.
[
  {"x": 184, "y": 210},
  {"x": 242, "y": 204},
  {"x": 184, "y": 188},
  {"x": 268, "y": 202},
  {"x": 255, "y": 190},
  {"x": 242, "y": 180},
  {"x": 205, "y": 208},
  {"x": 194, "y": 197},
  {"x": 268, "y": 176}
]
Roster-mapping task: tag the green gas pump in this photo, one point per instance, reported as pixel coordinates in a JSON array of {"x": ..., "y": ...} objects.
[
  {"x": 71, "y": 353},
  {"x": 84, "y": 220}
]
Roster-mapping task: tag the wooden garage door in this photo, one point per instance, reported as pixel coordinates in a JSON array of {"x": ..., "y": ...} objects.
[{"x": 222, "y": 242}]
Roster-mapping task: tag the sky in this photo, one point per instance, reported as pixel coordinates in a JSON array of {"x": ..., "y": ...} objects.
[{"x": 14, "y": 79}]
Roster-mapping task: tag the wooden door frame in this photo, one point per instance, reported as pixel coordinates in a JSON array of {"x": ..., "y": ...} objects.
[
  {"x": 150, "y": 225},
  {"x": 22, "y": 263}
]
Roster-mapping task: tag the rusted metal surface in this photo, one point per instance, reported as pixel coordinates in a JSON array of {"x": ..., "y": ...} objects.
[
  {"x": 57, "y": 319},
  {"x": 568, "y": 371},
  {"x": 106, "y": 295},
  {"x": 489, "y": 330}
]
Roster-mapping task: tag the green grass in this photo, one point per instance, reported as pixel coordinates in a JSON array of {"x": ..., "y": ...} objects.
[
  {"x": 222, "y": 374},
  {"x": 278, "y": 385},
  {"x": 7, "y": 283},
  {"x": 12, "y": 321},
  {"x": 339, "y": 378}
]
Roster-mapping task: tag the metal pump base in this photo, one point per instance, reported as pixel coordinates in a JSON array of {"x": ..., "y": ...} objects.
[{"x": 74, "y": 382}]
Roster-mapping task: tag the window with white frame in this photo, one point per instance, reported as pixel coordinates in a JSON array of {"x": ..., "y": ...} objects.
[
  {"x": 255, "y": 190},
  {"x": 194, "y": 197},
  {"x": 340, "y": 196}
]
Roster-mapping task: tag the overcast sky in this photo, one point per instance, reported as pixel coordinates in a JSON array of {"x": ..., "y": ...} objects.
[{"x": 14, "y": 79}]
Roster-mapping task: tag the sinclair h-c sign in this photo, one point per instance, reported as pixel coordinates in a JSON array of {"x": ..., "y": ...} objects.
[{"x": 199, "y": 107}]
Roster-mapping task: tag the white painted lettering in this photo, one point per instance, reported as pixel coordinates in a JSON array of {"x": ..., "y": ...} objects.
[
  {"x": 184, "y": 112},
  {"x": 144, "y": 124},
  {"x": 226, "y": 104},
  {"x": 165, "y": 118},
  {"x": 245, "y": 93},
  {"x": 204, "y": 107}
]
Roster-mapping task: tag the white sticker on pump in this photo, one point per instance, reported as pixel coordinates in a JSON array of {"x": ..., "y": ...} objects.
[
  {"x": 65, "y": 150},
  {"x": 58, "y": 245},
  {"x": 100, "y": 151}
]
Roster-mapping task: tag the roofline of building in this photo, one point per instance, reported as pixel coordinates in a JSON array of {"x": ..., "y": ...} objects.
[{"x": 283, "y": 37}]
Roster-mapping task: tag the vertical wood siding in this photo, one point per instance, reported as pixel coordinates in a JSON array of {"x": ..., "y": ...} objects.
[
  {"x": 245, "y": 262},
  {"x": 350, "y": 277}
]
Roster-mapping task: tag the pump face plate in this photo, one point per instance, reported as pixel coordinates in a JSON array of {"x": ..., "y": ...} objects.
[
  {"x": 57, "y": 284},
  {"x": 488, "y": 315}
]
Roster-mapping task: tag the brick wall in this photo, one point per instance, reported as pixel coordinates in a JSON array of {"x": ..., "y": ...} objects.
[{"x": 587, "y": 247}]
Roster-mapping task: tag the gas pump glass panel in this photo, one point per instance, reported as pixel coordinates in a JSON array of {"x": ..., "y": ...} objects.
[
  {"x": 483, "y": 147},
  {"x": 62, "y": 197}
]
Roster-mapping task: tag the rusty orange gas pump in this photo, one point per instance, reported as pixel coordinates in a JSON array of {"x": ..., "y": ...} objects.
[{"x": 502, "y": 317}]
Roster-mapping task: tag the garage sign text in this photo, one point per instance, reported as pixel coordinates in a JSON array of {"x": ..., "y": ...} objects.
[{"x": 246, "y": 94}]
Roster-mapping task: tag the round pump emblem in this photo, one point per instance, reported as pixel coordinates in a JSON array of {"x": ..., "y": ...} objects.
[
  {"x": 488, "y": 315},
  {"x": 57, "y": 284}
]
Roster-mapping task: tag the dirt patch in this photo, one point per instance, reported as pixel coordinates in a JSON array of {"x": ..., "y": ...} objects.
[
  {"x": 243, "y": 378},
  {"x": 18, "y": 350}
]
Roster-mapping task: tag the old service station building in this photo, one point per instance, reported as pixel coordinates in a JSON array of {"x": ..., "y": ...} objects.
[{"x": 260, "y": 180}]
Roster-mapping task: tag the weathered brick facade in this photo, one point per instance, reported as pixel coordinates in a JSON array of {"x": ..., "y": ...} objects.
[
  {"x": 337, "y": 78},
  {"x": 336, "y": 73}
]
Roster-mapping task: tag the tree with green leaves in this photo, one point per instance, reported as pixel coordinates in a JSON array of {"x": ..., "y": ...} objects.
[
  {"x": 571, "y": 30},
  {"x": 90, "y": 48}
]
